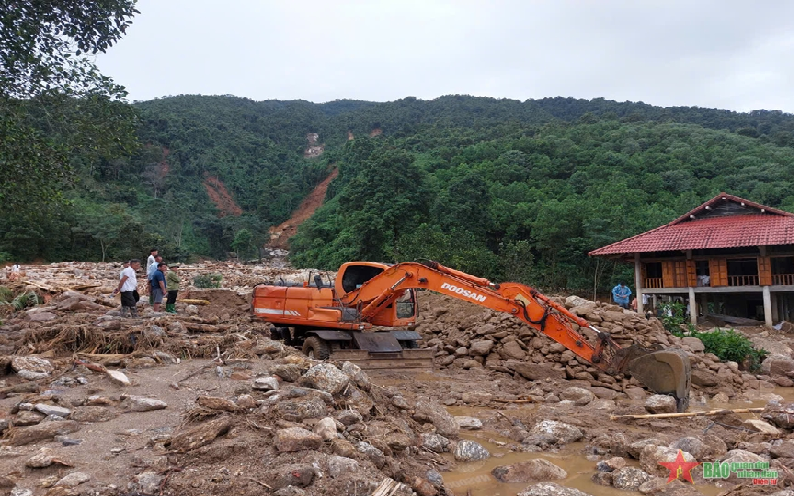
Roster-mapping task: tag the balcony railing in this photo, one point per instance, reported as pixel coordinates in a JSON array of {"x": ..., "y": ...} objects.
[
  {"x": 653, "y": 282},
  {"x": 783, "y": 279},
  {"x": 743, "y": 280}
]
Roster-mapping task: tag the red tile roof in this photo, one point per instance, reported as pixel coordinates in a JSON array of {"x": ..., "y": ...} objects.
[{"x": 759, "y": 226}]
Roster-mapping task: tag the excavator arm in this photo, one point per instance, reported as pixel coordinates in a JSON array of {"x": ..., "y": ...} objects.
[{"x": 664, "y": 371}]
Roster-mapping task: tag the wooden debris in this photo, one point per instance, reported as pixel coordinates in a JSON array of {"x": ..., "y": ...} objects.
[
  {"x": 688, "y": 414},
  {"x": 387, "y": 487}
]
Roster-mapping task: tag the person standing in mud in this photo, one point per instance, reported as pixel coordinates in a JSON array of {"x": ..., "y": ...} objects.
[
  {"x": 128, "y": 286},
  {"x": 158, "y": 287},
  {"x": 620, "y": 294},
  {"x": 149, "y": 274},
  {"x": 172, "y": 283}
]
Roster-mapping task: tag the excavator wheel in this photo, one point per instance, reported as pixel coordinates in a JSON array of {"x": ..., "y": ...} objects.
[{"x": 316, "y": 348}]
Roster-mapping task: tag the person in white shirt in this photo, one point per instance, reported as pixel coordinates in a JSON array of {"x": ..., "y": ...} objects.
[
  {"x": 128, "y": 287},
  {"x": 151, "y": 260}
]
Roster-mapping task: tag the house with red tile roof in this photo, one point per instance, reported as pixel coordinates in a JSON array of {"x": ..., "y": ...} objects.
[{"x": 728, "y": 256}]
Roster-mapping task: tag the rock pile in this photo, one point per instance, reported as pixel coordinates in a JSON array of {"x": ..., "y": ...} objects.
[{"x": 467, "y": 337}]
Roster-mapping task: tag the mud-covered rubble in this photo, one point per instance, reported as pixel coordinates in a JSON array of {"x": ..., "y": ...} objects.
[{"x": 326, "y": 429}]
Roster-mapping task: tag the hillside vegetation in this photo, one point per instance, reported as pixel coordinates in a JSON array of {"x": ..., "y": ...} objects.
[{"x": 500, "y": 188}]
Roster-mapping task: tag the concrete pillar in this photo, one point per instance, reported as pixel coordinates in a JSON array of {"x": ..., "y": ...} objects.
[
  {"x": 693, "y": 307},
  {"x": 704, "y": 303},
  {"x": 655, "y": 303},
  {"x": 638, "y": 283},
  {"x": 767, "y": 306},
  {"x": 775, "y": 309}
]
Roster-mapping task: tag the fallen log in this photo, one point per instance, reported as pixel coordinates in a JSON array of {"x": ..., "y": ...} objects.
[
  {"x": 191, "y": 301},
  {"x": 689, "y": 414}
]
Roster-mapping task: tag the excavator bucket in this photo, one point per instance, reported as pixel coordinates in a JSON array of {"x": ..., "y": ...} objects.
[{"x": 664, "y": 372}]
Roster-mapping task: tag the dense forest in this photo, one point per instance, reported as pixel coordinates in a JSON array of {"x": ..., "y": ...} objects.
[{"x": 500, "y": 188}]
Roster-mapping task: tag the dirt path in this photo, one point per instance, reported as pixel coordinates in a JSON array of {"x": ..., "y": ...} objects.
[{"x": 279, "y": 235}]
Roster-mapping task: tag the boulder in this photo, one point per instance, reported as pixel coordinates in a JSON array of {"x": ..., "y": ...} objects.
[
  {"x": 146, "y": 483},
  {"x": 430, "y": 411},
  {"x": 31, "y": 363},
  {"x": 652, "y": 455},
  {"x": 325, "y": 377},
  {"x": 537, "y": 469},
  {"x": 73, "y": 479},
  {"x": 358, "y": 376},
  {"x": 297, "y": 439},
  {"x": 298, "y": 410},
  {"x": 265, "y": 384},
  {"x": 779, "y": 414},
  {"x": 118, "y": 377},
  {"x": 326, "y": 429},
  {"x": 694, "y": 344},
  {"x": 777, "y": 365},
  {"x": 469, "y": 451},
  {"x": 481, "y": 348},
  {"x": 142, "y": 404},
  {"x": 471, "y": 423},
  {"x": 708, "y": 447},
  {"x": 660, "y": 403},
  {"x": 434, "y": 442},
  {"x": 18, "y": 436},
  {"x": 579, "y": 396},
  {"x": 553, "y": 432},
  {"x": 704, "y": 378},
  {"x": 339, "y": 465},
  {"x": 93, "y": 414},
  {"x": 537, "y": 371},
  {"x": 759, "y": 425},
  {"x": 53, "y": 410},
  {"x": 288, "y": 372},
  {"x": 551, "y": 489},
  {"x": 630, "y": 478},
  {"x": 512, "y": 351}
]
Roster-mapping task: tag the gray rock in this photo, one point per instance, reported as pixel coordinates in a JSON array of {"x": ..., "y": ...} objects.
[
  {"x": 290, "y": 491},
  {"x": 146, "y": 483},
  {"x": 265, "y": 384},
  {"x": 358, "y": 376},
  {"x": 142, "y": 404},
  {"x": 348, "y": 417},
  {"x": 30, "y": 375},
  {"x": 338, "y": 465},
  {"x": 74, "y": 479},
  {"x": 537, "y": 469},
  {"x": 21, "y": 491},
  {"x": 289, "y": 372},
  {"x": 481, "y": 348},
  {"x": 41, "y": 316},
  {"x": 708, "y": 447},
  {"x": 118, "y": 377},
  {"x": 579, "y": 396},
  {"x": 469, "y": 451},
  {"x": 53, "y": 410},
  {"x": 326, "y": 429},
  {"x": 297, "y": 439},
  {"x": 553, "y": 432},
  {"x": 551, "y": 489},
  {"x": 434, "y": 442},
  {"x": 660, "y": 403},
  {"x": 430, "y": 411},
  {"x": 694, "y": 344},
  {"x": 778, "y": 414},
  {"x": 471, "y": 423},
  {"x": 325, "y": 377},
  {"x": 630, "y": 478},
  {"x": 651, "y": 456},
  {"x": 298, "y": 410}
]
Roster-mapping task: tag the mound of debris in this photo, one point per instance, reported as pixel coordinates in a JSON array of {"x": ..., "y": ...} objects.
[{"x": 468, "y": 337}]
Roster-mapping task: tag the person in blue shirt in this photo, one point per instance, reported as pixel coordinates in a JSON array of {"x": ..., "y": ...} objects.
[
  {"x": 149, "y": 273},
  {"x": 158, "y": 288},
  {"x": 620, "y": 294}
]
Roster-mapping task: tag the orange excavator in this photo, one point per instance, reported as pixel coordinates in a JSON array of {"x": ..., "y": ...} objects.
[{"x": 366, "y": 316}]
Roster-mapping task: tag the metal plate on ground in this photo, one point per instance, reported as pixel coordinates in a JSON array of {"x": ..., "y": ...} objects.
[
  {"x": 377, "y": 342},
  {"x": 406, "y": 335}
]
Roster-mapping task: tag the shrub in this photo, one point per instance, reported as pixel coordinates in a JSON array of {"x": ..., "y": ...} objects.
[
  {"x": 24, "y": 300},
  {"x": 6, "y": 295},
  {"x": 727, "y": 344},
  {"x": 208, "y": 280}
]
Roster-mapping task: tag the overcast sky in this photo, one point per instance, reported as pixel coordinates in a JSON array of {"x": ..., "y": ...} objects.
[{"x": 728, "y": 54}]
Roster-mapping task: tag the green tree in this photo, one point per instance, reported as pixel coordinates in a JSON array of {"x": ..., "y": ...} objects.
[{"x": 53, "y": 100}]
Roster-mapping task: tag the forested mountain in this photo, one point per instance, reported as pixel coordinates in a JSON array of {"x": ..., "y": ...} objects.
[{"x": 500, "y": 188}]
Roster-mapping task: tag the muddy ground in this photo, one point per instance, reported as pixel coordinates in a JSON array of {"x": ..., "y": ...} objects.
[{"x": 209, "y": 404}]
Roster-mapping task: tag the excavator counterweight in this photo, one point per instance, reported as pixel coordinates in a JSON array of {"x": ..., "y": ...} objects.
[{"x": 367, "y": 315}]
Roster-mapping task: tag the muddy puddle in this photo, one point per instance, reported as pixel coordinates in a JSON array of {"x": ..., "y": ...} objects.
[{"x": 475, "y": 479}]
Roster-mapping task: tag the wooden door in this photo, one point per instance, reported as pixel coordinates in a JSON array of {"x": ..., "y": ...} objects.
[
  {"x": 691, "y": 274},
  {"x": 668, "y": 274},
  {"x": 718, "y": 272},
  {"x": 765, "y": 271}
]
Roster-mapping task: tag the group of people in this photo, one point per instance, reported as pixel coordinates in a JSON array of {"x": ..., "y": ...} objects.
[{"x": 161, "y": 283}]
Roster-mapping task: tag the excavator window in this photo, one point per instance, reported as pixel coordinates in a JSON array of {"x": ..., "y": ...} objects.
[
  {"x": 406, "y": 305},
  {"x": 356, "y": 275}
]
